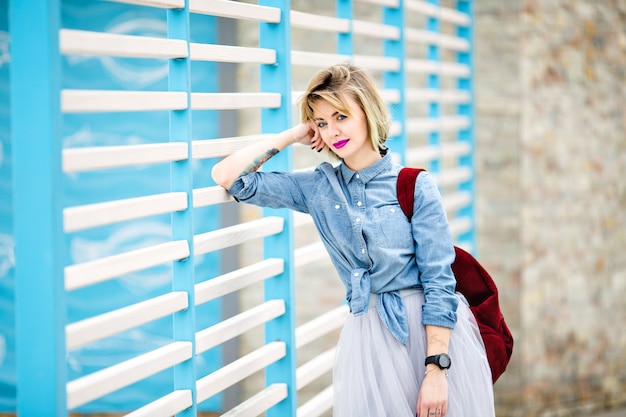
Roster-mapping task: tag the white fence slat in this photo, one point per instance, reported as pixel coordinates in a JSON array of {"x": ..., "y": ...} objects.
[
  {"x": 238, "y": 324},
  {"x": 390, "y": 96},
  {"x": 301, "y": 219},
  {"x": 317, "y": 405},
  {"x": 380, "y": 63},
  {"x": 441, "y": 124},
  {"x": 260, "y": 402},
  {"x": 87, "y": 388},
  {"x": 461, "y": 225},
  {"x": 237, "y": 280},
  {"x": 308, "y": 254},
  {"x": 234, "y": 372},
  {"x": 415, "y": 95},
  {"x": 83, "y": 42},
  {"x": 165, "y": 4},
  {"x": 451, "y": 69},
  {"x": 442, "y": 40},
  {"x": 454, "y": 16},
  {"x": 321, "y": 325},
  {"x": 396, "y": 128},
  {"x": 99, "y": 214},
  {"x": 103, "y": 157},
  {"x": 456, "y": 201},
  {"x": 89, "y": 330},
  {"x": 375, "y": 30},
  {"x": 212, "y": 148},
  {"x": 317, "y": 59},
  {"x": 167, "y": 406},
  {"x": 235, "y": 10},
  {"x": 92, "y": 272},
  {"x": 319, "y": 22},
  {"x": 442, "y": 13},
  {"x": 228, "y": 101},
  {"x": 235, "y": 235},
  {"x": 207, "y": 196},
  {"x": 225, "y": 53},
  {"x": 86, "y": 101},
  {"x": 388, "y": 3},
  {"x": 454, "y": 176},
  {"x": 316, "y": 367}
]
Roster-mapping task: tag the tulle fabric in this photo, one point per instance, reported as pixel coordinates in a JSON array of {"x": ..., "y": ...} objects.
[{"x": 377, "y": 376}]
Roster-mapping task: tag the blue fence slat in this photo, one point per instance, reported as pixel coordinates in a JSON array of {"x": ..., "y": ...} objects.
[
  {"x": 433, "y": 82},
  {"x": 277, "y": 79},
  {"x": 39, "y": 252},
  {"x": 345, "y": 41}
]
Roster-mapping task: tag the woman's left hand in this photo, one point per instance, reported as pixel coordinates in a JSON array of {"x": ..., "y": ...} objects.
[{"x": 432, "y": 400}]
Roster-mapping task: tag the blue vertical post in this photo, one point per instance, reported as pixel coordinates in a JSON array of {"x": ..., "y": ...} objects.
[
  {"x": 181, "y": 179},
  {"x": 345, "y": 41},
  {"x": 277, "y": 79},
  {"x": 397, "y": 79},
  {"x": 38, "y": 222},
  {"x": 467, "y": 109},
  {"x": 434, "y": 107}
]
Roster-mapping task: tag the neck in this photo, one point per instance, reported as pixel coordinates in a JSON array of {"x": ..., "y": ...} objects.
[{"x": 362, "y": 161}]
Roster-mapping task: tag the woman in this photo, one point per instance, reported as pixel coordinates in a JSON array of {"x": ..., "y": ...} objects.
[{"x": 409, "y": 347}]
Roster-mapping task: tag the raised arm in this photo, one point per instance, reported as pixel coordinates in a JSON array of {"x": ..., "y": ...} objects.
[{"x": 250, "y": 158}]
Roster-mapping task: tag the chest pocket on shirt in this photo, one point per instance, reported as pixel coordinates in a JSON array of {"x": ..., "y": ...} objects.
[
  {"x": 391, "y": 227},
  {"x": 335, "y": 222}
]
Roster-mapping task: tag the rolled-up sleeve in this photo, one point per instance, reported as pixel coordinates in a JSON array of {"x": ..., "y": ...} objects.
[{"x": 434, "y": 252}]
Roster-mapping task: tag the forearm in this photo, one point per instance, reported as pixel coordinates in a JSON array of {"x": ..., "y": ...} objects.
[
  {"x": 250, "y": 158},
  {"x": 437, "y": 340}
]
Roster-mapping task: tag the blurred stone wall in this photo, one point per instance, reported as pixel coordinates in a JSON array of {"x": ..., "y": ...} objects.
[{"x": 551, "y": 147}]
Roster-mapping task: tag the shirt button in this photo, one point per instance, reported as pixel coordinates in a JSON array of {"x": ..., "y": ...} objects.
[
  {"x": 359, "y": 203},
  {"x": 358, "y": 176},
  {"x": 358, "y": 219},
  {"x": 362, "y": 250},
  {"x": 337, "y": 207},
  {"x": 393, "y": 210},
  {"x": 356, "y": 274}
]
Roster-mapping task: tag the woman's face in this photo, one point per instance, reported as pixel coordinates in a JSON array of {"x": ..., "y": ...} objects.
[{"x": 347, "y": 136}]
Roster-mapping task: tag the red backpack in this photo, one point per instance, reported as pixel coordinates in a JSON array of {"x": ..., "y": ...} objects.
[{"x": 474, "y": 282}]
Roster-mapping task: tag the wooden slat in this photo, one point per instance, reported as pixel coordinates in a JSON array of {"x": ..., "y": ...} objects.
[
  {"x": 237, "y": 280},
  {"x": 236, "y": 371},
  {"x": 88, "y": 101},
  {"x": 207, "y": 196},
  {"x": 442, "y": 13},
  {"x": 167, "y": 406},
  {"x": 226, "y": 101},
  {"x": 99, "y": 270},
  {"x": 104, "y": 157},
  {"x": 319, "y": 22},
  {"x": 450, "y": 69},
  {"x": 415, "y": 95},
  {"x": 87, "y": 388},
  {"x": 309, "y": 254},
  {"x": 321, "y": 325},
  {"x": 237, "y": 54},
  {"x": 388, "y": 3},
  {"x": 442, "y": 40},
  {"x": 165, "y": 4},
  {"x": 317, "y": 59},
  {"x": 89, "y": 330},
  {"x": 390, "y": 96},
  {"x": 375, "y": 30},
  {"x": 441, "y": 124},
  {"x": 235, "y": 235},
  {"x": 317, "y": 405},
  {"x": 380, "y": 63},
  {"x": 235, "y": 10},
  {"x": 459, "y": 226},
  {"x": 316, "y": 367},
  {"x": 301, "y": 219},
  {"x": 260, "y": 402},
  {"x": 83, "y": 42},
  {"x": 238, "y": 324},
  {"x": 456, "y": 201},
  {"x": 99, "y": 214},
  {"x": 213, "y": 148},
  {"x": 454, "y": 176}
]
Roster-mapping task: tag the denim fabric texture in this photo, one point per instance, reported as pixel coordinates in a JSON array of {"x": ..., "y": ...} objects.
[{"x": 373, "y": 246}]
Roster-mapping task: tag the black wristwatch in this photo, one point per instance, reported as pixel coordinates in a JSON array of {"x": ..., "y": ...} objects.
[{"x": 442, "y": 361}]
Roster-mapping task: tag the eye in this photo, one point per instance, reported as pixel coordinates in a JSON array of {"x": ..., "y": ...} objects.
[
  {"x": 321, "y": 124},
  {"x": 342, "y": 117}
]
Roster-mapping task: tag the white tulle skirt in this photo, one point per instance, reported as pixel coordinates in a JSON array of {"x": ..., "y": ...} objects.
[{"x": 377, "y": 376}]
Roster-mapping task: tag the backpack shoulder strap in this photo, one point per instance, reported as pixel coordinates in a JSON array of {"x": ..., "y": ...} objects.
[{"x": 405, "y": 189}]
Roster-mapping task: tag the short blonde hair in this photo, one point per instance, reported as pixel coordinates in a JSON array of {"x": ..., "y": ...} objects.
[{"x": 333, "y": 83}]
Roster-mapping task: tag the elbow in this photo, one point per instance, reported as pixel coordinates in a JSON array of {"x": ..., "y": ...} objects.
[{"x": 219, "y": 176}]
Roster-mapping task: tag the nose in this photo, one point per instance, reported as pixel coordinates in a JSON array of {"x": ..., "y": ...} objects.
[{"x": 333, "y": 131}]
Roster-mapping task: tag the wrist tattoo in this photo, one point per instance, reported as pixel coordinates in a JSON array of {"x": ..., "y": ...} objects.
[{"x": 256, "y": 164}]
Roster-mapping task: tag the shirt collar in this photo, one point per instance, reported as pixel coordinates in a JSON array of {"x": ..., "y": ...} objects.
[{"x": 368, "y": 173}]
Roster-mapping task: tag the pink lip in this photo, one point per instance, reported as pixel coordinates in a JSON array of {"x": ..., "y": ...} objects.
[{"x": 341, "y": 143}]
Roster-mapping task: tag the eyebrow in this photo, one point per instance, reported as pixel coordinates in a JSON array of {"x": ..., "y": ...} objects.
[{"x": 321, "y": 118}]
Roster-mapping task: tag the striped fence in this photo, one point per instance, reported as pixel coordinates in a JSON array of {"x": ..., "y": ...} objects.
[{"x": 419, "y": 52}]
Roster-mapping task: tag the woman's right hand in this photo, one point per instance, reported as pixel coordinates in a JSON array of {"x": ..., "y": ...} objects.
[{"x": 307, "y": 134}]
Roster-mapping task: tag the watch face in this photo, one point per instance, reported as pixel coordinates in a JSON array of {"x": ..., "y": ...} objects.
[{"x": 444, "y": 361}]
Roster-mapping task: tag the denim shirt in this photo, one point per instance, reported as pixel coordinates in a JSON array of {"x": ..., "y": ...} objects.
[{"x": 373, "y": 246}]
